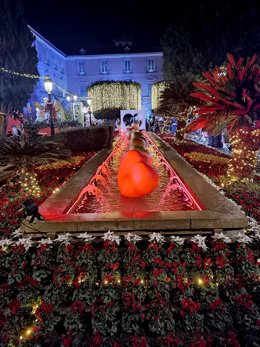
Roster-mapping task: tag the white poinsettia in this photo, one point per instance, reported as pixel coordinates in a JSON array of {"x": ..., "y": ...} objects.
[
  {"x": 26, "y": 242},
  {"x": 17, "y": 233},
  {"x": 221, "y": 237},
  {"x": 200, "y": 241},
  {"x": 86, "y": 237},
  {"x": 257, "y": 236},
  {"x": 177, "y": 239},
  {"x": 253, "y": 225},
  {"x": 241, "y": 238},
  {"x": 64, "y": 238},
  {"x": 44, "y": 242},
  {"x": 133, "y": 238},
  {"x": 110, "y": 236},
  {"x": 159, "y": 238},
  {"x": 238, "y": 206},
  {"x": 5, "y": 242}
]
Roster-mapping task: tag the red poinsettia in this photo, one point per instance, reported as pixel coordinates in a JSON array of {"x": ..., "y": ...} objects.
[{"x": 230, "y": 96}]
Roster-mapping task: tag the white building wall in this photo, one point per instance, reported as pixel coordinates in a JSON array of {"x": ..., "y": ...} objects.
[{"x": 75, "y": 73}]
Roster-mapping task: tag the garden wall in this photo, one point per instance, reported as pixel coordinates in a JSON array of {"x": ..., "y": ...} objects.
[{"x": 87, "y": 139}]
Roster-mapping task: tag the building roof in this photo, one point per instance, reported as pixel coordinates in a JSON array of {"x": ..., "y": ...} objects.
[
  {"x": 119, "y": 47},
  {"x": 100, "y": 50}
]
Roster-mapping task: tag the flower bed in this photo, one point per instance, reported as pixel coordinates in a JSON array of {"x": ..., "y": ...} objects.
[
  {"x": 214, "y": 164},
  {"x": 135, "y": 292},
  {"x": 138, "y": 293},
  {"x": 50, "y": 177}
]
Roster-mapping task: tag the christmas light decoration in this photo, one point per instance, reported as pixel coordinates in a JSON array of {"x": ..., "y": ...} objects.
[
  {"x": 200, "y": 281},
  {"x": 28, "y": 75},
  {"x": 245, "y": 146},
  {"x": 115, "y": 95},
  {"x": 29, "y": 183},
  {"x": 157, "y": 90}
]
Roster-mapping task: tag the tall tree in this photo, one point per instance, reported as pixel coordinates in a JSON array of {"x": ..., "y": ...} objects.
[
  {"x": 17, "y": 54},
  {"x": 182, "y": 64},
  {"x": 180, "y": 56},
  {"x": 222, "y": 27},
  {"x": 200, "y": 38}
]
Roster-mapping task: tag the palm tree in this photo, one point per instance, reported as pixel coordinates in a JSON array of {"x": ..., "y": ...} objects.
[
  {"x": 176, "y": 101},
  {"x": 22, "y": 154},
  {"x": 230, "y": 98}
]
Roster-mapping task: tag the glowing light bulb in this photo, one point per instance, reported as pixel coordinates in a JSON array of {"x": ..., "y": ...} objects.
[
  {"x": 28, "y": 331},
  {"x": 34, "y": 308},
  {"x": 200, "y": 281}
]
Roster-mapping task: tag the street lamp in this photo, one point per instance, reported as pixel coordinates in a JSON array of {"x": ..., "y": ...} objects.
[
  {"x": 72, "y": 99},
  {"x": 48, "y": 84},
  {"x": 89, "y": 103}
]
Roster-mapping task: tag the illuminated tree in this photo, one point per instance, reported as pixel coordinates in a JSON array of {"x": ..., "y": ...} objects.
[
  {"x": 230, "y": 97},
  {"x": 109, "y": 97}
]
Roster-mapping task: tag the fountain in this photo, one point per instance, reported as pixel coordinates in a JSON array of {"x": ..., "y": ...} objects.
[
  {"x": 183, "y": 202},
  {"x": 169, "y": 195}
]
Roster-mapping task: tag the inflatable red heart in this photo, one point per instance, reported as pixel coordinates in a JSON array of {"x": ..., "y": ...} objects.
[{"x": 136, "y": 177}]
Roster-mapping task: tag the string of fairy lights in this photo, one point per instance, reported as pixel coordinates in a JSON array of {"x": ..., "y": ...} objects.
[
  {"x": 157, "y": 90},
  {"x": 245, "y": 156},
  {"x": 120, "y": 95},
  {"x": 199, "y": 281},
  {"x": 29, "y": 183},
  {"x": 28, "y": 75}
]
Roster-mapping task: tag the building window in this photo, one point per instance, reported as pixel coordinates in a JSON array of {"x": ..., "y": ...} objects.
[
  {"x": 104, "y": 67},
  {"x": 45, "y": 56},
  {"x": 149, "y": 88},
  {"x": 81, "y": 68},
  {"x": 83, "y": 91},
  {"x": 150, "y": 65},
  {"x": 127, "y": 66}
]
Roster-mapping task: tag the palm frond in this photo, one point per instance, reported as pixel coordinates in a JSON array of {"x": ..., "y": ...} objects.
[{"x": 28, "y": 152}]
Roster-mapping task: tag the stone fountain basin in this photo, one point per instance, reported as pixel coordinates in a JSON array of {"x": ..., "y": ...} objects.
[{"x": 220, "y": 214}]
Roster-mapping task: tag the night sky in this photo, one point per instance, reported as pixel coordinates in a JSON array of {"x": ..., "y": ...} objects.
[{"x": 88, "y": 24}]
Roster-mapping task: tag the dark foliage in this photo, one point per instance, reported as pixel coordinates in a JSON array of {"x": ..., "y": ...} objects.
[
  {"x": 86, "y": 139},
  {"x": 17, "y": 54}
]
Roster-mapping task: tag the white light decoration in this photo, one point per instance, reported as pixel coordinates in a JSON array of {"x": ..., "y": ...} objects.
[
  {"x": 157, "y": 90},
  {"x": 115, "y": 95},
  {"x": 48, "y": 84}
]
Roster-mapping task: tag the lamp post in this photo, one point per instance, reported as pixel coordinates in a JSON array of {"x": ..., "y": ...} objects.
[
  {"x": 48, "y": 84},
  {"x": 89, "y": 103},
  {"x": 72, "y": 99}
]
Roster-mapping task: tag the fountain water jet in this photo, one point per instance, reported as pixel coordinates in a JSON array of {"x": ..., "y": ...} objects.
[{"x": 164, "y": 198}]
